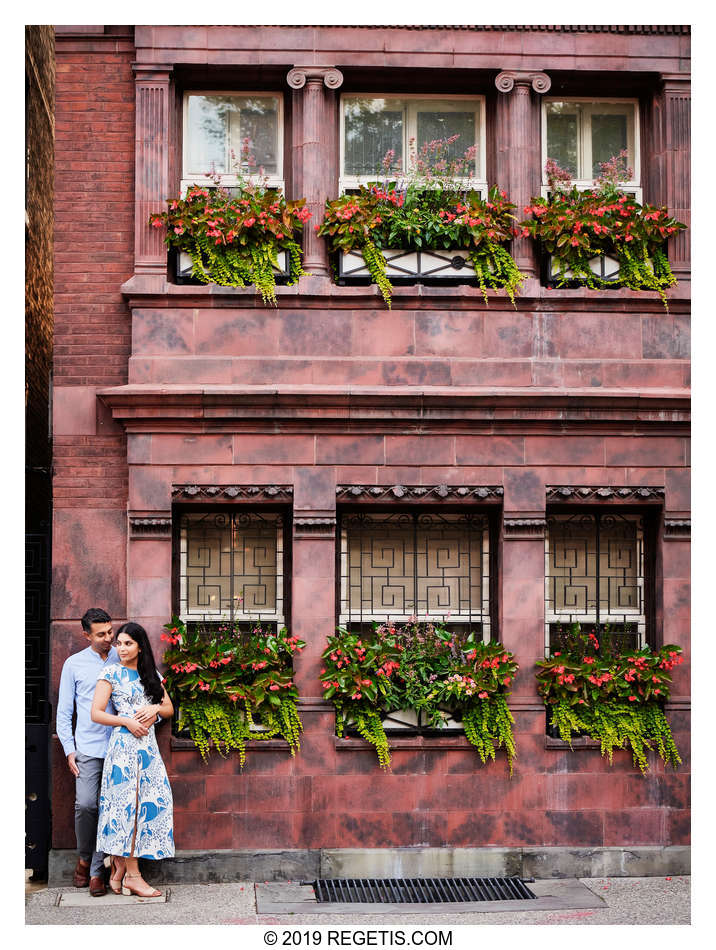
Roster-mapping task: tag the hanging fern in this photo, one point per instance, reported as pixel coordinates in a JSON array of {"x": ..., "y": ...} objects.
[
  {"x": 375, "y": 262},
  {"x": 488, "y": 724},
  {"x": 618, "y": 725}
]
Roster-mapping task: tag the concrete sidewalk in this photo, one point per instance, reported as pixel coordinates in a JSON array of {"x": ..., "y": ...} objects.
[{"x": 652, "y": 900}]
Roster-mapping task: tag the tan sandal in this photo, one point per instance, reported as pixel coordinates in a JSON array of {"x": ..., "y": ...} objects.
[
  {"x": 115, "y": 880},
  {"x": 136, "y": 889}
]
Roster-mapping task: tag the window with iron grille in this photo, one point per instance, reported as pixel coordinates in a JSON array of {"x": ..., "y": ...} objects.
[
  {"x": 231, "y": 567},
  {"x": 598, "y": 573},
  {"x": 394, "y": 566}
]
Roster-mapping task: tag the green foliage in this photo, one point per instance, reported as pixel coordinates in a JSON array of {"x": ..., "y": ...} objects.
[
  {"x": 619, "y": 725},
  {"x": 488, "y": 723},
  {"x": 616, "y": 697},
  {"x": 234, "y": 239},
  {"x": 426, "y": 668},
  {"x": 226, "y": 680},
  {"x": 575, "y": 226}
]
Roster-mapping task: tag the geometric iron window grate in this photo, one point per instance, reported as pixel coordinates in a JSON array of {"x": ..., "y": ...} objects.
[
  {"x": 594, "y": 575},
  {"x": 231, "y": 567},
  {"x": 421, "y": 890},
  {"x": 398, "y": 566}
]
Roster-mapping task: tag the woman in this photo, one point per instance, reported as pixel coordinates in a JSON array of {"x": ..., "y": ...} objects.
[{"x": 135, "y": 805}]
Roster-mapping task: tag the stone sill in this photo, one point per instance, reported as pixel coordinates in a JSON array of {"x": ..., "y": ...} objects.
[
  {"x": 254, "y": 745},
  {"x": 412, "y": 743},
  {"x": 322, "y": 292},
  {"x": 577, "y": 743}
]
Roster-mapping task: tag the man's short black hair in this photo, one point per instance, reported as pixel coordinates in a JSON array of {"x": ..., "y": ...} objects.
[{"x": 94, "y": 615}]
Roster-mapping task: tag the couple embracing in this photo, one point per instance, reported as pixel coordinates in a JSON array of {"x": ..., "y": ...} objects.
[{"x": 123, "y": 804}]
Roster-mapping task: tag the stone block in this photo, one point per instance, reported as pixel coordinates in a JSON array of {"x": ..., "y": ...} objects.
[{"x": 74, "y": 410}]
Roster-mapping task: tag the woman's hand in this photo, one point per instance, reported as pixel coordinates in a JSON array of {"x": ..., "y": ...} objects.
[
  {"x": 137, "y": 729},
  {"x": 147, "y": 713}
]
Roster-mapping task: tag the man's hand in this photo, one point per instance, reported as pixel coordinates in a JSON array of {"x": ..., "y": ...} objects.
[
  {"x": 72, "y": 765},
  {"x": 147, "y": 714},
  {"x": 138, "y": 729}
]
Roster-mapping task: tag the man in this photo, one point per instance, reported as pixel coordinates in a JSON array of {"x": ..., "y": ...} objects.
[{"x": 86, "y": 750}]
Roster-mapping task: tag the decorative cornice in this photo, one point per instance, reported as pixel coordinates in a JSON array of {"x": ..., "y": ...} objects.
[
  {"x": 506, "y": 81},
  {"x": 585, "y": 493},
  {"x": 150, "y": 527},
  {"x": 331, "y": 77},
  {"x": 417, "y": 492},
  {"x": 517, "y": 529},
  {"x": 677, "y": 529},
  {"x": 314, "y": 527},
  {"x": 232, "y": 492},
  {"x": 142, "y": 407}
]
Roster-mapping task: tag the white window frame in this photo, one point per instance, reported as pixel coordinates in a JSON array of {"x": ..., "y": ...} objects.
[
  {"x": 584, "y": 142},
  {"x": 410, "y": 129},
  {"x": 226, "y": 180},
  {"x": 629, "y": 615},
  {"x": 226, "y": 616},
  {"x": 345, "y": 616}
]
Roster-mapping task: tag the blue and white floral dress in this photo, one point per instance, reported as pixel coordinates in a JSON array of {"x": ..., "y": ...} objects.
[{"x": 135, "y": 787}]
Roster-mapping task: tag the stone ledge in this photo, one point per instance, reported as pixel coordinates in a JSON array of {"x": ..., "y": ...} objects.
[{"x": 195, "y": 867}]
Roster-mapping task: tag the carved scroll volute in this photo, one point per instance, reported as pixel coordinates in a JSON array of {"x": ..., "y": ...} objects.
[
  {"x": 314, "y": 145},
  {"x": 507, "y": 80}
]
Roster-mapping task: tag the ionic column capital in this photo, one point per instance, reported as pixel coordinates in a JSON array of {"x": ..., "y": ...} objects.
[
  {"x": 509, "y": 78},
  {"x": 331, "y": 77}
]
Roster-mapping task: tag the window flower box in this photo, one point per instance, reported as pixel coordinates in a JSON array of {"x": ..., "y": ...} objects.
[
  {"x": 427, "y": 223},
  {"x": 410, "y": 266},
  {"x": 234, "y": 238},
  {"x": 231, "y": 686},
  {"x": 615, "y": 697},
  {"x": 603, "y": 236},
  {"x": 182, "y": 267},
  {"x": 419, "y": 677}
]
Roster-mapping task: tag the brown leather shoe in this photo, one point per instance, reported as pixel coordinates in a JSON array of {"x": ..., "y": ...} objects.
[
  {"x": 80, "y": 877},
  {"x": 97, "y": 887}
]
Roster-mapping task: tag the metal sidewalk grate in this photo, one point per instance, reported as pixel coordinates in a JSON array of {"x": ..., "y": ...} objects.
[{"x": 421, "y": 890}]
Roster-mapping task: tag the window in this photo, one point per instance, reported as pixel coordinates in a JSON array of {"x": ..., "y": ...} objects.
[
  {"x": 223, "y": 130},
  {"x": 579, "y": 134},
  {"x": 231, "y": 567},
  {"x": 372, "y": 126},
  {"x": 433, "y": 566},
  {"x": 594, "y": 574}
]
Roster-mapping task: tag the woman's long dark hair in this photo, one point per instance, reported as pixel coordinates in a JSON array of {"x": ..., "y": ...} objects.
[{"x": 146, "y": 667}]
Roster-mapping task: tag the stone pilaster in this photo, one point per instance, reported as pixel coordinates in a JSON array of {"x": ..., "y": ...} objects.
[
  {"x": 315, "y": 116},
  {"x": 519, "y": 156},
  {"x": 670, "y": 159},
  {"x": 152, "y": 164}
]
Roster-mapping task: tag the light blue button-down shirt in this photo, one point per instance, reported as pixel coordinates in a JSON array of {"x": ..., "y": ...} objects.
[{"x": 77, "y": 686}]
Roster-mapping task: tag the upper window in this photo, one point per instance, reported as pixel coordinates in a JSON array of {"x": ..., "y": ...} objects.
[
  {"x": 231, "y": 567},
  {"x": 581, "y": 134},
  {"x": 376, "y": 130},
  {"x": 430, "y": 566},
  {"x": 228, "y": 133},
  {"x": 594, "y": 575}
]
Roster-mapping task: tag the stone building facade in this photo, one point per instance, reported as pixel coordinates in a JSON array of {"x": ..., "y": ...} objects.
[{"x": 171, "y": 399}]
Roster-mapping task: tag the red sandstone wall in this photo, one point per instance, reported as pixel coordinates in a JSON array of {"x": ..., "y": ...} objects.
[{"x": 332, "y": 794}]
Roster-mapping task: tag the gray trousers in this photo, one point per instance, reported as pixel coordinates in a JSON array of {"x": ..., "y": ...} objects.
[{"x": 87, "y": 785}]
